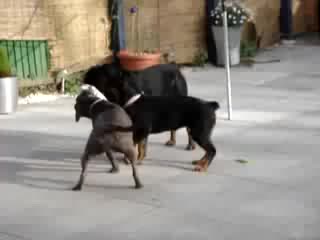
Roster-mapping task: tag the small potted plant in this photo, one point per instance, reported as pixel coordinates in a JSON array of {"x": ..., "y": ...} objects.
[
  {"x": 237, "y": 16},
  {"x": 137, "y": 58},
  {"x": 8, "y": 85}
]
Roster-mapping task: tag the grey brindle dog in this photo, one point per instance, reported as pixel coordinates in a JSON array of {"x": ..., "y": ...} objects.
[{"x": 111, "y": 131}]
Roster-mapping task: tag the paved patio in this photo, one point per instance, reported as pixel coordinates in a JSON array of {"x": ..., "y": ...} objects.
[{"x": 275, "y": 195}]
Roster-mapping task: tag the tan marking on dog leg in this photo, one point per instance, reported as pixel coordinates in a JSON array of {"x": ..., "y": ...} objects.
[
  {"x": 202, "y": 164},
  {"x": 172, "y": 140},
  {"x": 114, "y": 163},
  {"x": 141, "y": 152},
  {"x": 199, "y": 162}
]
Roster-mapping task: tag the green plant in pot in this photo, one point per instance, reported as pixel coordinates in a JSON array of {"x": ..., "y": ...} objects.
[
  {"x": 237, "y": 16},
  {"x": 5, "y": 68},
  {"x": 8, "y": 85},
  {"x": 137, "y": 58}
]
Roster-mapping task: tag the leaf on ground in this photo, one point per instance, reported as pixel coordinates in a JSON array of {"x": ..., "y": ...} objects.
[{"x": 242, "y": 161}]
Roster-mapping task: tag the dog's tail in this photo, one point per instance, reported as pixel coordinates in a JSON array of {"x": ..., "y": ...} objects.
[{"x": 214, "y": 105}]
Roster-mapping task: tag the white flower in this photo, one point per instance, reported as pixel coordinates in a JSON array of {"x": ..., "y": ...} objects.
[
  {"x": 229, "y": 16},
  {"x": 218, "y": 16},
  {"x": 241, "y": 21},
  {"x": 234, "y": 9},
  {"x": 239, "y": 11},
  {"x": 234, "y": 22},
  {"x": 216, "y": 22}
]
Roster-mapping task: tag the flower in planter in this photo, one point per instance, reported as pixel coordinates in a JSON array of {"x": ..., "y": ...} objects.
[
  {"x": 133, "y": 9},
  {"x": 237, "y": 14}
]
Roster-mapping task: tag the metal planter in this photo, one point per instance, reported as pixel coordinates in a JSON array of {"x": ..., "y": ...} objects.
[
  {"x": 234, "y": 44},
  {"x": 8, "y": 94}
]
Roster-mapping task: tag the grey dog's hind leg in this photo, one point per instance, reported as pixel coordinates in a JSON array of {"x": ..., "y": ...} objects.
[
  {"x": 114, "y": 163},
  {"x": 132, "y": 156}
]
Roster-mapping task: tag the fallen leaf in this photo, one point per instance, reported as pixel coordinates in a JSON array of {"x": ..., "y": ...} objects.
[{"x": 242, "y": 161}]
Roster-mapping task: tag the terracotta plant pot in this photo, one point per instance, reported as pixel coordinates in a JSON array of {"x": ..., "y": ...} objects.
[{"x": 138, "y": 61}]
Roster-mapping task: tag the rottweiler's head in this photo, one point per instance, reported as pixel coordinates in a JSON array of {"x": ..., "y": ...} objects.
[{"x": 103, "y": 77}]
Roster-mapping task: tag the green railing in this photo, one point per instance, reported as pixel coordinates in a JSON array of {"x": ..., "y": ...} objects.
[{"x": 29, "y": 58}]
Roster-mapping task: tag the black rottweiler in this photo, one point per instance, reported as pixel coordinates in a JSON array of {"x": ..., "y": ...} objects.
[
  {"x": 155, "y": 114},
  {"x": 159, "y": 80}
]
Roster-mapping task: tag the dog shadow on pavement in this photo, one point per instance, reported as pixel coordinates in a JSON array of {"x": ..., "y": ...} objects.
[{"x": 44, "y": 161}]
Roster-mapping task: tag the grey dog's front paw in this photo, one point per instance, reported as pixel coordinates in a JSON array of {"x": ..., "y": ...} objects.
[
  {"x": 77, "y": 187},
  {"x": 138, "y": 186}
]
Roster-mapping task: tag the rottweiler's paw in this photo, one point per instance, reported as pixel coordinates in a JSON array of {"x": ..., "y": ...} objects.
[
  {"x": 196, "y": 162},
  {"x": 190, "y": 147},
  {"x": 200, "y": 169},
  {"x": 170, "y": 143}
]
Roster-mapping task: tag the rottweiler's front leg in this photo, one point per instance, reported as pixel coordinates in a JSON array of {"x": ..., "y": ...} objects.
[
  {"x": 141, "y": 151},
  {"x": 172, "y": 140},
  {"x": 140, "y": 137}
]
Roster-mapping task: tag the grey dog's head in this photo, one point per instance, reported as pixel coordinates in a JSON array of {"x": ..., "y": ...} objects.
[{"x": 87, "y": 96}]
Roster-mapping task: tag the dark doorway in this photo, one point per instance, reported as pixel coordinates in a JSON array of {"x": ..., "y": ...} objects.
[
  {"x": 286, "y": 19},
  {"x": 211, "y": 46}
]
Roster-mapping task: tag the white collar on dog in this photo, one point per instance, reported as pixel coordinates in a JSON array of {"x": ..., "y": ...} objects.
[
  {"x": 93, "y": 104},
  {"x": 132, "y": 100},
  {"x": 93, "y": 90}
]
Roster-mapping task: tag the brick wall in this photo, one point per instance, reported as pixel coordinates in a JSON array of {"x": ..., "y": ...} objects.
[
  {"x": 175, "y": 26},
  {"x": 265, "y": 21},
  {"x": 77, "y": 30},
  {"x": 23, "y": 20},
  {"x": 305, "y": 16},
  {"x": 81, "y": 32}
]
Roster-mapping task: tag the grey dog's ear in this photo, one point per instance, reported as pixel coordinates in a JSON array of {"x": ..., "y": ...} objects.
[{"x": 77, "y": 117}]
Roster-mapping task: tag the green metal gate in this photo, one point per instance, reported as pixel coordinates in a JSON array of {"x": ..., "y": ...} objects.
[{"x": 29, "y": 58}]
